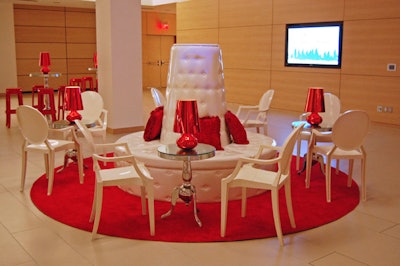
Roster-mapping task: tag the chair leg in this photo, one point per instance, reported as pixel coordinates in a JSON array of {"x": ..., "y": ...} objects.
[
  {"x": 224, "y": 207},
  {"x": 143, "y": 199},
  {"x": 350, "y": 176},
  {"x": 51, "y": 173},
  {"x": 289, "y": 205},
  {"x": 298, "y": 154},
  {"x": 328, "y": 174},
  {"x": 275, "y": 211},
  {"x": 150, "y": 199},
  {"x": 23, "y": 170},
  {"x": 308, "y": 168},
  {"x": 98, "y": 202}
]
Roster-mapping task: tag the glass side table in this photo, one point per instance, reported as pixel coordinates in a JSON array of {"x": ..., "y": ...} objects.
[{"x": 187, "y": 191}]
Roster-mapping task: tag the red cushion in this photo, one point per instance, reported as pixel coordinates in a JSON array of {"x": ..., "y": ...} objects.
[
  {"x": 236, "y": 129},
  {"x": 210, "y": 131},
  {"x": 154, "y": 124}
]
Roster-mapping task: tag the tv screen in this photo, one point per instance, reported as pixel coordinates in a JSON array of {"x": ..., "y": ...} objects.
[{"x": 314, "y": 44}]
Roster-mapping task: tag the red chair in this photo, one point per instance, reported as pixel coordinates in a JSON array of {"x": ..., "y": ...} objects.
[
  {"x": 35, "y": 89},
  {"x": 85, "y": 81},
  {"x": 44, "y": 107},
  {"x": 9, "y": 111},
  {"x": 60, "y": 103}
]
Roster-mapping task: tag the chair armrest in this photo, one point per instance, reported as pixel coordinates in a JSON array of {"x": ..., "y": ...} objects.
[
  {"x": 265, "y": 146},
  {"x": 122, "y": 148},
  {"x": 303, "y": 116},
  {"x": 61, "y": 133}
]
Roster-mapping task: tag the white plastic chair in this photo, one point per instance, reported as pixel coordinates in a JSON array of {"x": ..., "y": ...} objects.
[
  {"x": 127, "y": 171},
  {"x": 158, "y": 97},
  {"x": 35, "y": 130},
  {"x": 94, "y": 114},
  {"x": 260, "y": 112},
  {"x": 248, "y": 175},
  {"x": 348, "y": 135},
  {"x": 332, "y": 112}
]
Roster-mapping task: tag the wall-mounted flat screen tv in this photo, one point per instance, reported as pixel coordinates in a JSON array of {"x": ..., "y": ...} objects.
[{"x": 314, "y": 44}]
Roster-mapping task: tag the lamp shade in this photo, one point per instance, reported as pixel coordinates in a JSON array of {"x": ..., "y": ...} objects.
[
  {"x": 186, "y": 117},
  {"x": 315, "y": 103},
  {"x": 44, "y": 62},
  {"x": 187, "y": 123},
  {"x": 73, "y": 102}
]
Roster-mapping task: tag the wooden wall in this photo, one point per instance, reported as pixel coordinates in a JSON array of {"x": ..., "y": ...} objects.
[
  {"x": 68, "y": 34},
  {"x": 252, "y": 37}
]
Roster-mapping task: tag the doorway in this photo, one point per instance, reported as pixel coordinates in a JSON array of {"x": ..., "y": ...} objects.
[{"x": 156, "y": 52}]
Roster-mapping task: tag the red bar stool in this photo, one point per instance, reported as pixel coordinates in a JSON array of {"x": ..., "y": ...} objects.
[
  {"x": 60, "y": 103},
  {"x": 76, "y": 82},
  {"x": 35, "y": 89},
  {"x": 86, "y": 80},
  {"x": 9, "y": 111},
  {"x": 51, "y": 108}
]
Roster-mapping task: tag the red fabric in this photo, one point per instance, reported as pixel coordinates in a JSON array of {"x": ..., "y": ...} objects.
[
  {"x": 236, "y": 129},
  {"x": 210, "y": 131},
  {"x": 154, "y": 124},
  {"x": 121, "y": 212}
]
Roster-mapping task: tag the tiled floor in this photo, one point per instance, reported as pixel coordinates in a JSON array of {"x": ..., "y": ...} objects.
[{"x": 370, "y": 235}]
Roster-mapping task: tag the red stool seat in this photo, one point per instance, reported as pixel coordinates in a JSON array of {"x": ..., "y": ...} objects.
[
  {"x": 47, "y": 108},
  {"x": 9, "y": 110},
  {"x": 89, "y": 81},
  {"x": 60, "y": 103}
]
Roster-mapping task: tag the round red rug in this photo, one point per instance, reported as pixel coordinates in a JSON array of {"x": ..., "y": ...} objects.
[{"x": 71, "y": 202}]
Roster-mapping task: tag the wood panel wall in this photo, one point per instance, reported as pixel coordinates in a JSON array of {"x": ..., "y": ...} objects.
[{"x": 252, "y": 37}]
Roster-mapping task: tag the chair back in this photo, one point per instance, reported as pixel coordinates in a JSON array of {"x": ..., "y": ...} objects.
[
  {"x": 33, "y": 125},
  {"x": 332, "y": 110},
  {"x": 92, "y": 106},
  {"x": 195, "y": 72},
  {"x": 266, "y": 100},
  {"x": 287, "y": 149},
  {"x": 158, "y": 97},
  {"x": 86, "y": 134},
  {"x": 350, "y": 129}
]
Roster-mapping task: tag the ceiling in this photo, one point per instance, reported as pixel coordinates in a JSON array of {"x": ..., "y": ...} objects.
[{"x": 168, "y": 8}]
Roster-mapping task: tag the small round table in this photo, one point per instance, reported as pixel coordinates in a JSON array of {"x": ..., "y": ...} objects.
[{"x": 186, "y": 191}]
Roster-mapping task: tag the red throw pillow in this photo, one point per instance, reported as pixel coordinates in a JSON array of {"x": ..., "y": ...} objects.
[
  {"x": 236, "y": 129},
  {"x": 154, "y": 124},
  {"x": 209, "y": 131}
]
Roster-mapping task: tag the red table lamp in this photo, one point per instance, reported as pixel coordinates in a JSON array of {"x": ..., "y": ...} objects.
[
  {"x": 44, "y": 62},
  {"x": 187, "y": 123},
  {"x": 315, "y": 103},
  {"x": 73, "y": 102}
]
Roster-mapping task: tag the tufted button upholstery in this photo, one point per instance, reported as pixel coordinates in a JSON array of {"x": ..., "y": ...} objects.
[{"x": 195, "y": 72}]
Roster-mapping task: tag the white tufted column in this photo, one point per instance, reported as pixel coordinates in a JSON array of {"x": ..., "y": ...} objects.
[{"x": 195, "y": 72}]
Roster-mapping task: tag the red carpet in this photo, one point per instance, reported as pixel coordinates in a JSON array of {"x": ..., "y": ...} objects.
[{"x": 70, "y": 203}]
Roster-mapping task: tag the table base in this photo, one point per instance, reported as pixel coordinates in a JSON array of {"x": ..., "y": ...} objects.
[
  {"x": 187, "y": 193},
  {"x": 316, "y": 158}
]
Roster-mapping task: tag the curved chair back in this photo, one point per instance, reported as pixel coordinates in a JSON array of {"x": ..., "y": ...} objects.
[
  {"x": 33, "y": 124},
  {"x": 332, "y": 110},
  {"x": 266, "y": 100},
  {"x": 350, "y": 130},
  {"x": 92, "y": 106},
  {"x": 158, "y": 97}
]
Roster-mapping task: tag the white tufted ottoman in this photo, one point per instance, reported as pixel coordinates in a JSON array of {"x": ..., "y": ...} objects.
[{"x": 206, "y": 174}]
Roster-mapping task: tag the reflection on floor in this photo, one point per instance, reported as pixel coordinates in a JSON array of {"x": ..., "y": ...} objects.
[{"x": 370, "y": 235}]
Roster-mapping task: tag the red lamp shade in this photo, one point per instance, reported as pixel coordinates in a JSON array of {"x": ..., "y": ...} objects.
[
  {"x": 315, "y": 103},
  {"x": 95, "y": 64},
  {"x": 73, "y": 102},
  {"x": 187, "y": 123},
  {"x": 44, "y": 62}
]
